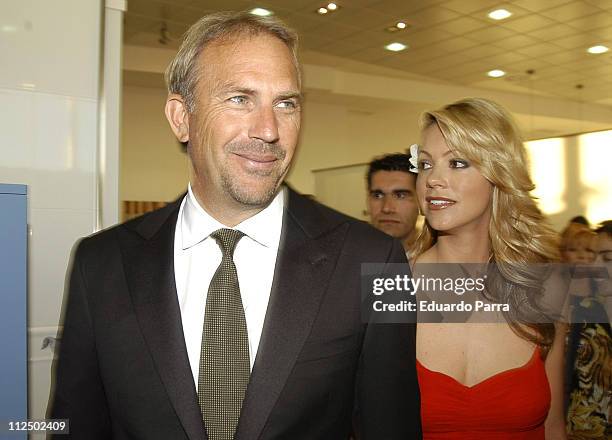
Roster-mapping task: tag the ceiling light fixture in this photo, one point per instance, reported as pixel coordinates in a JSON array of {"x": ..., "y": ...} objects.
[
  {"x": 395, "y": 47},
  {"x": 331, "y": 7},
  {"x": 399, "y": 26},
  {"x": 261, "y": 12},
  {"x": 500, "y": 14},
  {"x": 496, "y": 73},
  {"x": 597, "y": 49},
  {"x": 9, "y": 28}
]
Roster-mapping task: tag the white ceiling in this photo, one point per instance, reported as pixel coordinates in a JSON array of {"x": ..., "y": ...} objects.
[{"x": 449, "y": 40}]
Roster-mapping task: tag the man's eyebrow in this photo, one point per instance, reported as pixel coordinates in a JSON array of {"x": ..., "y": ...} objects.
[
  {"x": 290, "y": 95},
  {"x": 234, "y": 88},
  {"x": 402, "y": 190},
  {"x": 231, "y": 88}
]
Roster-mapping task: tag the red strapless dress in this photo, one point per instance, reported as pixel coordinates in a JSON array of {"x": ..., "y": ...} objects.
[{"x": 511, "y": 405}]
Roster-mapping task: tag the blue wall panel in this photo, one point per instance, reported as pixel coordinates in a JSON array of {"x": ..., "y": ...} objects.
[{"x": 13, "y": 311}]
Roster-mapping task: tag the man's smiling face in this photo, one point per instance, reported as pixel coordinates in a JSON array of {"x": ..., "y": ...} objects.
[{"x": 244, "y": 128}]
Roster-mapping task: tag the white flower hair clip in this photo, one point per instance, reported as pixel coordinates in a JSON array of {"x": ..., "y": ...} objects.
[{"x": 414, "y": 155}]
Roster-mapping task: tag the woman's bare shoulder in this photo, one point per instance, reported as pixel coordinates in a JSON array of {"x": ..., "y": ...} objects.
[{"x": 429, "y": 256}]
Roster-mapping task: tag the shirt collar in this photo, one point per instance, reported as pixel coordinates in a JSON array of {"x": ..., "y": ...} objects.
[{"x": 264, "y": 227}]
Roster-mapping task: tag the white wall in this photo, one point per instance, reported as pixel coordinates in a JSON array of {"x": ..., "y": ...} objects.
[
  {"x": 153, "y": 167},
  {"x": 341, "y": 134},
  {"x": 343, "y": 188},
  {"x": 49, "y": 139},
  {"x": 572, "y": 176}
]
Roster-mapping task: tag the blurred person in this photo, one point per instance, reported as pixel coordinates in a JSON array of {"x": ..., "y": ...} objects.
[
  {"x": 577, "y": 242},
  {"x": 603, "y": 250},
  {"x": 603, "y": 261},
  {"x": 578, "y": 251},
  {"x": 590, "y": 346},
  {"x": 391, "y": 201},
  {"x": 478, "y": 380},
  {"x": 234, "y": 312}
]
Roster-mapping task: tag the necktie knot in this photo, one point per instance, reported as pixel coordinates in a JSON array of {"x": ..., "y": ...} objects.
[{"x": 227, "y": 240}]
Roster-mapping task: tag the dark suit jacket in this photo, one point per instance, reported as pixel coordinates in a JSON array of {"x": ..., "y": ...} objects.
[{"x": 123, "y": 370}]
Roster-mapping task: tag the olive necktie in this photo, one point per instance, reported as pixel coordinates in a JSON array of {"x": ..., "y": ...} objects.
[{"x": 224, "y": 359}]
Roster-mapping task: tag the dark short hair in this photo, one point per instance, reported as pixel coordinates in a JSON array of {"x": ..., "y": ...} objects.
[
  {"x": 605, "y": 227},
  {"x": 389, "y": 162},
  {"x": 581, "y": 219}
]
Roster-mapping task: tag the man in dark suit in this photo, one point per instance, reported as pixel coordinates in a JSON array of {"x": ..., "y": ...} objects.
[{"x": 233, "y": 312}]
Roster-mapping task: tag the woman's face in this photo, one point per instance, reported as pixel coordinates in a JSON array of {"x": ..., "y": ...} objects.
[
  {"x": 453, "y": 195},
  {"x": 580, "y": 250}
]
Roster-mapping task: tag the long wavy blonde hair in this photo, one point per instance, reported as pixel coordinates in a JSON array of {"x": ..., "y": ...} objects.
[{"x": 482, "y": 132}]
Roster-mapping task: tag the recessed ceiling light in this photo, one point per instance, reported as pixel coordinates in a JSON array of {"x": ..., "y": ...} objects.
[
  {"x": 597, "y": 49},
  {"x": 28, "y": 86},
  {"x": 9, "y": 28},
  {"x": 395, "y": 47},
  {"x": 500, "y": 14},
  {"x": 261, "y": 12},
  {"x": 496, "y": 73},
  {"x": 332, "y": 6},
  {"x": 322, "y": 11},
  {"x": 401, "y": 25}
]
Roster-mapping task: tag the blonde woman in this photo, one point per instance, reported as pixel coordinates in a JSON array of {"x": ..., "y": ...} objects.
[{"x": 485, "y": 380}]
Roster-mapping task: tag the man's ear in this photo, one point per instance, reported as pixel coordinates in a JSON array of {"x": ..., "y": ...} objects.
[{"x": 178, "y": 116}]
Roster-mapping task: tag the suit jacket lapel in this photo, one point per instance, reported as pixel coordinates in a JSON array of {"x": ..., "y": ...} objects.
[
  {"x": 149, "y": 267},
  {"x": 305, "y": 262}
]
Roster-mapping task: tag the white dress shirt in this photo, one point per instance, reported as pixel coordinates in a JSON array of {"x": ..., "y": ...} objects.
[{"x": 197, "y": 256}]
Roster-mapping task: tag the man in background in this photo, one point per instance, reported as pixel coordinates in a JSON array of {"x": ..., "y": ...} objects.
[{"x": 392, "y": 203}]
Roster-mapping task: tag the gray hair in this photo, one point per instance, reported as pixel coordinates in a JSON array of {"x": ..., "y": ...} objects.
[{"x": 183, "y": 72}]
